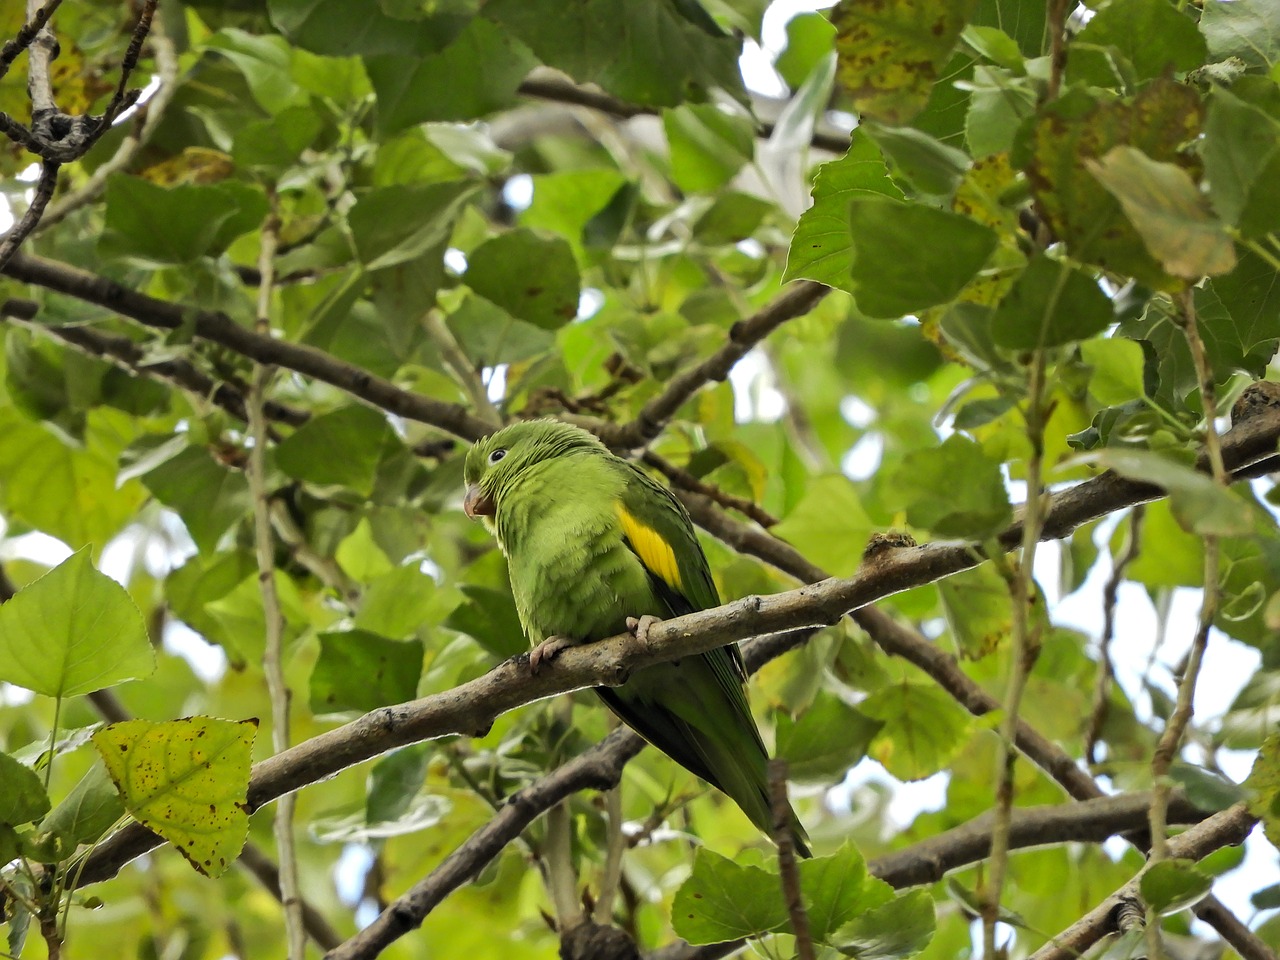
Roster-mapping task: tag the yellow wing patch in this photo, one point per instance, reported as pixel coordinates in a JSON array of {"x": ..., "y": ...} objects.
[{"x": 654, "y": 552}]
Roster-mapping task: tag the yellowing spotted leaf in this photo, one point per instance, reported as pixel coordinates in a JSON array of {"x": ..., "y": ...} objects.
[
  {"x": 186, "y": 780},
  {"x": 889, "y": 52}
]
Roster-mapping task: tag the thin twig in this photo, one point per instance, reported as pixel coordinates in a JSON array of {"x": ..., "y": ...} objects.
[
  {"x": 787, "y": 869},
  {"x": 149, "y": 116},
  {"x": 45, "y": 187},
  {"x": 22, "y": 40},
  {"x": 680, "y": 477},
  {"x": 120, "y": 100},
  {"x": 1106, "y": 669},
  {"x": 797, "y": 300},
  {"x": 273, "y": 659}
]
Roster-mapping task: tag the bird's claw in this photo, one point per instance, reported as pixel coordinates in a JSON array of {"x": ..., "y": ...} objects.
[
  {"x": 640, "y": 626},
  {"x": 546, "y": 651}
]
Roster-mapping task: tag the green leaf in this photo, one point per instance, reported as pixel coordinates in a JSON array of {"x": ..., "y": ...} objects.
[
  {"x": 186, "y": 780},
  {"x": 22, "y": 795},
  {"x": 978, "y": 609},
  {"x": 1118, "y": 369},
  {"x": 274, "y": 144},
  {"x": 900, "y": 928},
  {"x": 1263, "y": 786},
  {"x": 208, "y": 496},
  {"x": 708, "y": 144},
  {"x": 836, "y": 889},
  {"x": 891, "y": 51},
  {"x": 827, "y": 740},
  {"x": 396, "y": 604},
  {"x": 68, "y": 492},
  {"x": 394, "y": 782},
  {"x": 490, "y": 617},
  {"x": 1001, "y": 101},
  {"x": 345, "y": 27},
  {"x": 829, "y": 525},
  {"x": 1200, "y": 505},
  {"x": 1206, "y": 789},
  {"x": 894, "y": 274},
  {"x": 358, "y": 671},
  {"x": 822, "y": 245},
  {"x": 1248, "y": 29},
  {"x": 1151, "y": 34},
  {"x": 564, "y": 202},
  {"x": 396, "y": 224},
  {"x": 1245, "y": 336},
  {"x": 1169, "y": 211},
  {"x": 1024, "y": 22},
  {"x": 722, "y": 900},
  {"x": 655, "y": 53},
  {"x": 810, "y": 38},
  {"x": 476, "y": 74},
  {"x": 88, "y": 811},
  {"x": 1051, "y": 303},
  {"x": 977, "y": 504},
  {"x": 923, "y": 728},
  {"x": 927, "y": 163},
  {"x": 1170, "y": 886},
  {"x": 341, "y": 448},
  {"x": 161, "y": 226},
  {"x": 533, "y": 279},
  {"x": 73, "y": 631},
  {"x": 1241, "y": 147}
]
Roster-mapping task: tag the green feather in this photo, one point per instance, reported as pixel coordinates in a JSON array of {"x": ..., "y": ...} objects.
[{"x": 591, "y": 540}]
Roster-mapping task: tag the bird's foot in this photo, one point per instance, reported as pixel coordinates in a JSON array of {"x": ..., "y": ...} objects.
[
  {"x": 640, "y": 626},
  {"x": 547, "y": 651}
]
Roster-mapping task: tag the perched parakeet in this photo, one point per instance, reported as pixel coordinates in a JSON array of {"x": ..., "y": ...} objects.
[{"x": 591, "y": 543}]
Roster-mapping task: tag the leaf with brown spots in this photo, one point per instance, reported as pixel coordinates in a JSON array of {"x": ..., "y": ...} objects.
[
  {"x": 186, "y": 780},
  {"x": 1078, "y": 128},
  {"x": 889, "y": 52}
]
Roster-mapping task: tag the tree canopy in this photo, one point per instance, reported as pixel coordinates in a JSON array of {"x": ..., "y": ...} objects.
[{"x": 954, "y": 343}]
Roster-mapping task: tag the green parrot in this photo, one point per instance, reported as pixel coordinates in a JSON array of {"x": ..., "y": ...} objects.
[{"x": 595, "y": 547}]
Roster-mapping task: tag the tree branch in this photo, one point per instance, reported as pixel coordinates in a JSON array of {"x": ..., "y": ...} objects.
[
  {"x": 797, "y": 300},
  {"x": 471, "y": 707},
  {"x": 219, "y": 328},
  {"x": 1227, "y": 828}
]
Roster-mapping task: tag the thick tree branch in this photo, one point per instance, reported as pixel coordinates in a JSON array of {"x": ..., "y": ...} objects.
[{"x": 1223, "y": 829}]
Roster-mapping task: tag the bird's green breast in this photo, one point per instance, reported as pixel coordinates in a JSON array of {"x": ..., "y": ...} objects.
[{"x": 571, "y": 573}]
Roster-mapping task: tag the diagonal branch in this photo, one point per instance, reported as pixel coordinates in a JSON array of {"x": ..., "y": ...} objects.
[
  {"x": 797, "y": 300},
  {"x": 219, "y": 328},
  {"x": 1227, "y": 828}
]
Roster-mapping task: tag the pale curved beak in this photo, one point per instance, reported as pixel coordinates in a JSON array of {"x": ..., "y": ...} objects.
[{"x": 476, "y": 504}]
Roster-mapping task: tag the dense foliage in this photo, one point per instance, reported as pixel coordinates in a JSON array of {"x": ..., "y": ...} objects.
[{"x": 252, "y": 321}]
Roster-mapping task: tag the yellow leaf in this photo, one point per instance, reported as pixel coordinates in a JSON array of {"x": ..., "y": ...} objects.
[{"x": 186, "y": 780}]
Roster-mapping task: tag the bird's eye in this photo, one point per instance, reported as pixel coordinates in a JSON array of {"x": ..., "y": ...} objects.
[{"x": 497, "y": 455}]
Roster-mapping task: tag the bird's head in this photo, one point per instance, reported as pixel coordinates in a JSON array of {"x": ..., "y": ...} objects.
[{"x": 496, "y": 462}]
